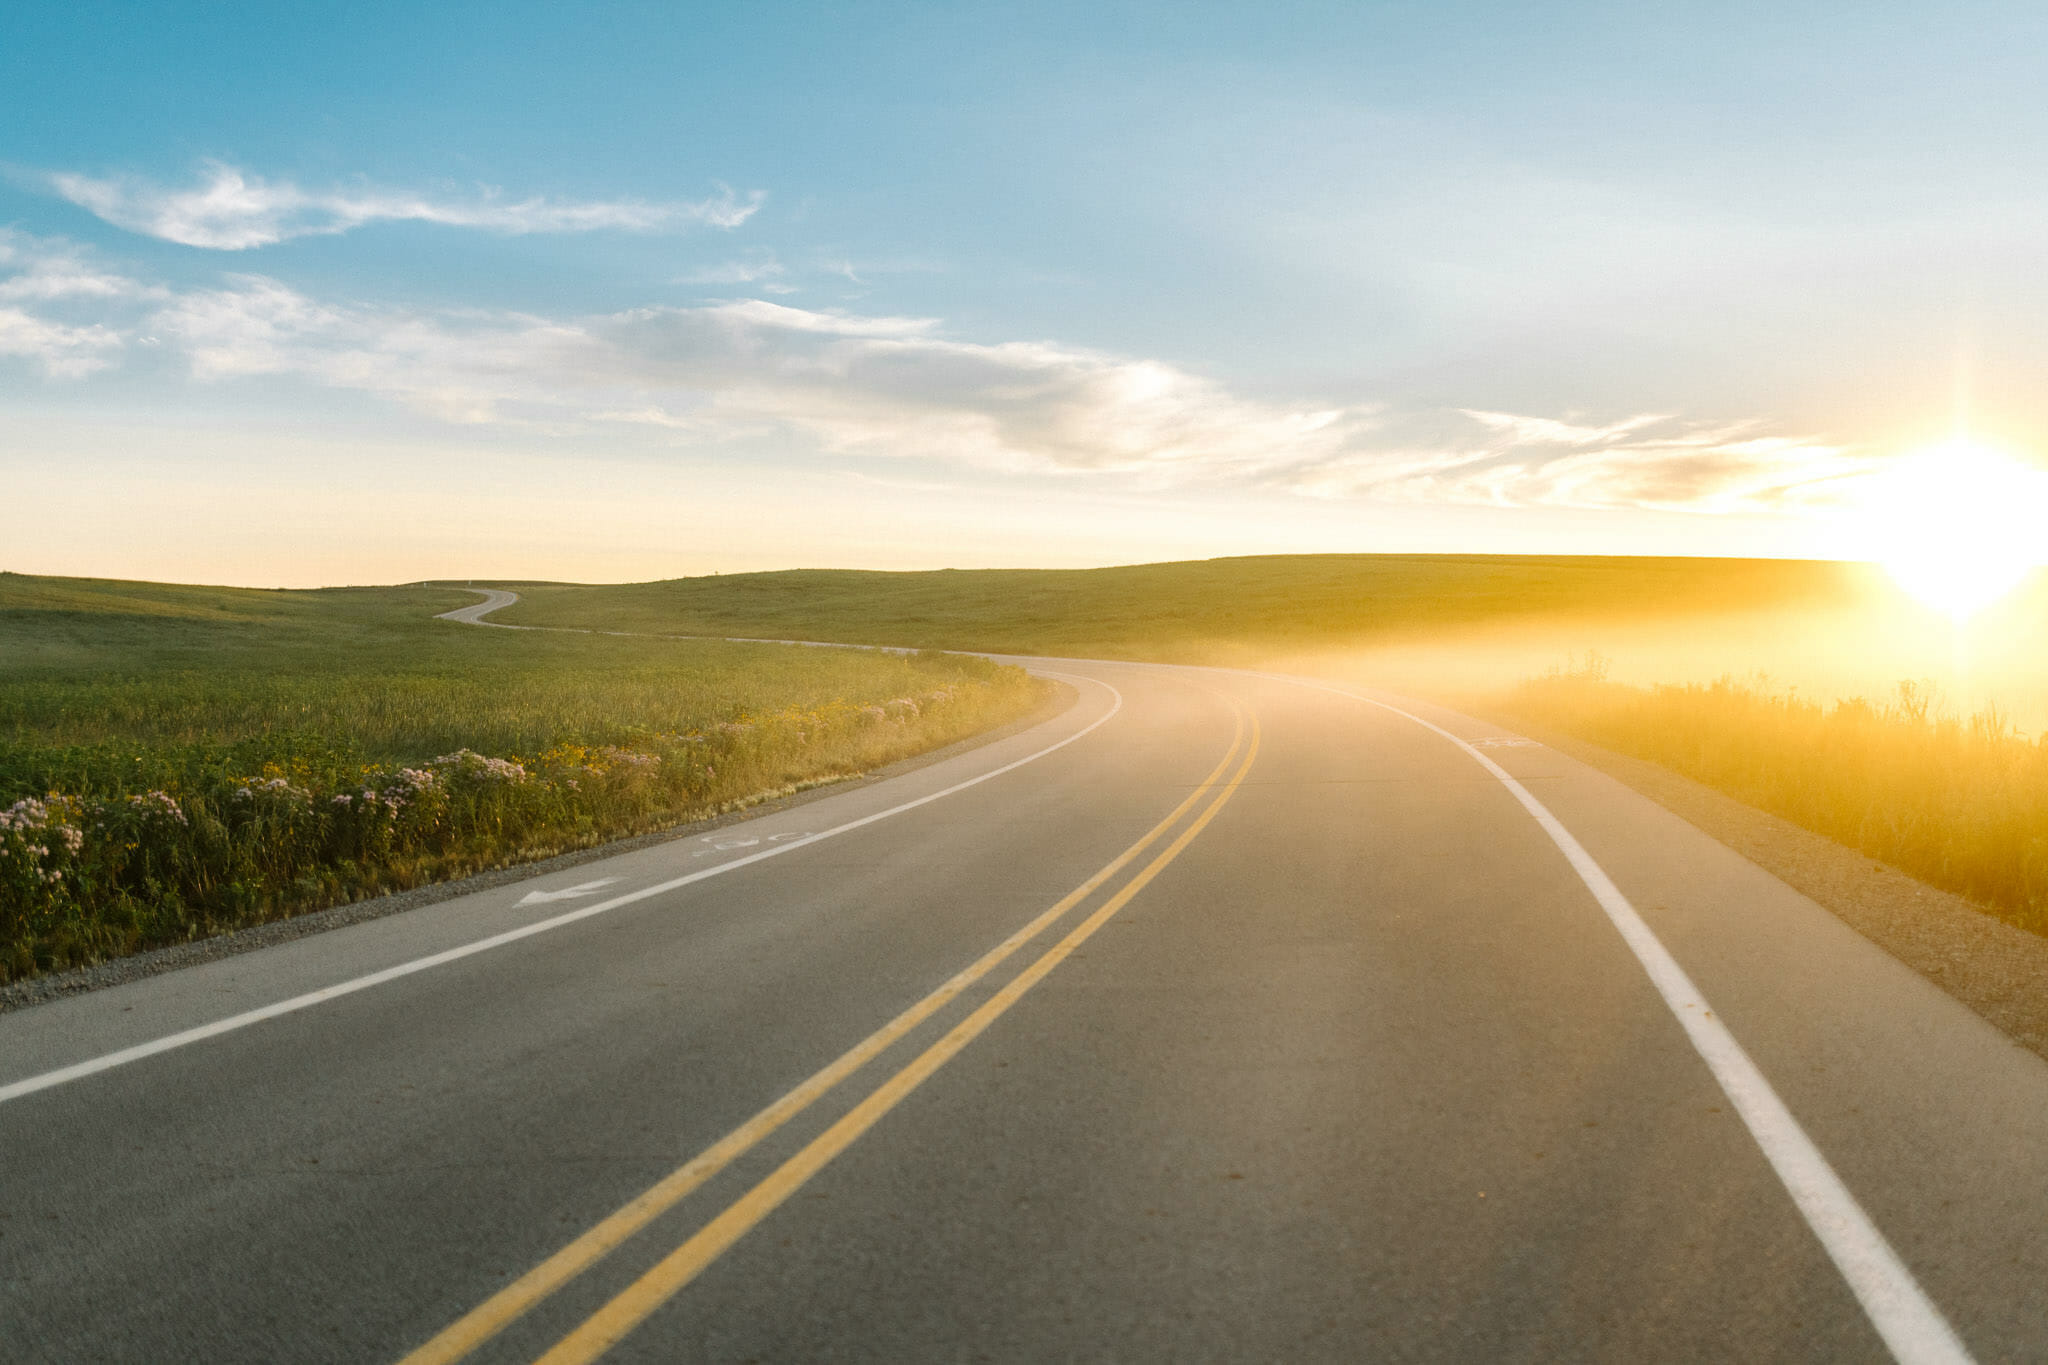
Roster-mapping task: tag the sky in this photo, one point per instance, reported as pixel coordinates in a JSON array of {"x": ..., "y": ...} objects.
[{"x": 297, "y": 295}]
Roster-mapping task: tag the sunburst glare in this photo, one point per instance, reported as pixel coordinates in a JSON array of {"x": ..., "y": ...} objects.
[{"x": 1957, "y": 526}]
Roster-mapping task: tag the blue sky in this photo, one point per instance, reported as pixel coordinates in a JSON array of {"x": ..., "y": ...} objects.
[{"x": 633, "y": 291}]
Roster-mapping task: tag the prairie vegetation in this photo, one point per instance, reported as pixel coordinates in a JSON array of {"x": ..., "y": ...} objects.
[
  {"x": 1214, "y": 611},
  {"x": 1961, "y": 802},
  {"x": 175, "y": 762}
]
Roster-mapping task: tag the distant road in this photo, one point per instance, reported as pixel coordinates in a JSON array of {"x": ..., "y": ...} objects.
[
  {"x": 474, "y": 614},
  {"x": 1222, "y": 1017}
]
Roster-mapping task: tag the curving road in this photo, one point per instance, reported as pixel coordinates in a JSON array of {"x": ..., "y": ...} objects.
[
  {"x": 1222, "y": 1017},
  {"x": 494, "y": 599}
]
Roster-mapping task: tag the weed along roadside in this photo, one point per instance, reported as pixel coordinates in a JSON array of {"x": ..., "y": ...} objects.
[
  {"x": 142, "y": 805},
  {"x": 1960, "y": 803}
]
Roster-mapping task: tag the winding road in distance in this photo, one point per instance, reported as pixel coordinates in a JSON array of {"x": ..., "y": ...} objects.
[{"x": 1221, "y": 1017}]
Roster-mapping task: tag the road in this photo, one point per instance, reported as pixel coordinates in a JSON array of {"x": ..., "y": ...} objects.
[
  {"x": 1221, "y": 1017},
  {"x": 475, "y": 612}
]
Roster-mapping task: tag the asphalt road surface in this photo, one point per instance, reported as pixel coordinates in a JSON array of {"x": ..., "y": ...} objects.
[{"x": 1221, "y": 1017}]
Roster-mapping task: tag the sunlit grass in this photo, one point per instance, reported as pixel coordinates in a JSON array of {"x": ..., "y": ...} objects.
[
  {"x": 1961, "y": 802},
  {"x": 1220, "y": 611},
  {"x": 175, "y": 762}
]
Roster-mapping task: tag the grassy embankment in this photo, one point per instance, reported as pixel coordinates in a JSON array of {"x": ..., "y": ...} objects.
[
  {"x": 1960, "y": 803},
  {"x": 175, "y": 762}
]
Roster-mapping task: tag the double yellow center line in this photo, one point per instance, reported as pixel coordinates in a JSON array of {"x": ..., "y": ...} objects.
[{"x": 631, "y": 1307}]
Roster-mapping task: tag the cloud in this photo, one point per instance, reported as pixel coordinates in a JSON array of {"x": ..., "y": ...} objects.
[
  {"x": 760, "y": 269},
  {"x": 56, "y": 305},
  {"x": 1648, "y": 461},
  {"x": 41, "y": 269},
  {"x": 233, "y": 211},
  {"x": 866, "y": 384},
  {"x": 881, "y": 386},
  {"x": 898, "y": 386},
  {"x": 61, "y": 351}
]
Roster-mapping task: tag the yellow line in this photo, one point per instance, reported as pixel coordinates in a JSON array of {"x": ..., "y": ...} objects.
[
  {"x": 491, "y": 1316},
  {"x": 610, "y": 1324}
]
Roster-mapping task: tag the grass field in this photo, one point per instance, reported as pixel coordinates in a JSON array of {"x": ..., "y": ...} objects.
[
  {"x": 1206, "y": 611},
  {"x": 179, "y": 761},
  {"x": 1959, "y": 802}
]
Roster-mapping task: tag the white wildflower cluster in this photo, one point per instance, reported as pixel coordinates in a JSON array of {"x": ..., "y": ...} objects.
[
  {"x": 393, "y": 795},
  {"x": 27, "y": 813},
  {"x": 27, "y": 829},
  {"x": 273, "y": 789},
  {"x": 158, "y": 805},
  {"x": 468, "y": 763},
  {"x": 908, "y": 708},
  {"x": 629, "y": 760}
]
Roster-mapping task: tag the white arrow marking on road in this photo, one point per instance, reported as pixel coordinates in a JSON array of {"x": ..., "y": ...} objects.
[
  {"x": 567, "y": 893},
  {"x": 726, "y": 843}
]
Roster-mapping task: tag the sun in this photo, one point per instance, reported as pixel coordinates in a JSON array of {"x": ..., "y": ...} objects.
[{"x": 1959, "y": 525}]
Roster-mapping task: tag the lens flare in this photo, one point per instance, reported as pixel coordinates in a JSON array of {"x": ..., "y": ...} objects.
[{"x": 1958, "y": 526}]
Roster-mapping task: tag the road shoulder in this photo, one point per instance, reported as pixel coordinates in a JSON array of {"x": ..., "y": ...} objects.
[{"x": 1999, "y": 971}]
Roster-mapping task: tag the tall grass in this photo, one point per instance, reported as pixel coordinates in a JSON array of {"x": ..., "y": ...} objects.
[
  {"x": 1959, "y": 802},
  {"x": 185, "y": 761}
]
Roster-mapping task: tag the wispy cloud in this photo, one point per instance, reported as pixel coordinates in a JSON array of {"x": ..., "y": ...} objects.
[
  {"x": 759, "y": 268},
  {"x": 62, "y": 351},
  {"x": 868, "y": 384},
  {"x": 897, "y": 386},
  {"x": 61, "y": 310},
  {"x": 233, "y": 211},
  {"x": 45, "y": 270},
  {"x": 884, "y": 386},
  {"x": 1648, "y": 461}
]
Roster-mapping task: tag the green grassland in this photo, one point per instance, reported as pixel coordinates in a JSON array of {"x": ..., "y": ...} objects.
[
  {"x": 175, "y": 761},
  {"x": 1207, "y": 611}
]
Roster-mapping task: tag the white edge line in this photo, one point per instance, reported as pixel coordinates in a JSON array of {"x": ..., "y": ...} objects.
[
  {"x": 1908, "y": 1320},
  {"x": 108, "y": 1061}
]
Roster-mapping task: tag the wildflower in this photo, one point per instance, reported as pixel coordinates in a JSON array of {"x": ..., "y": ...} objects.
[
  {"x": 477, "y": 767},
  {"x": 27, "y": 813},
  {"x": 158, "y": 803},
  {"x": 273, "y": 788}
]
